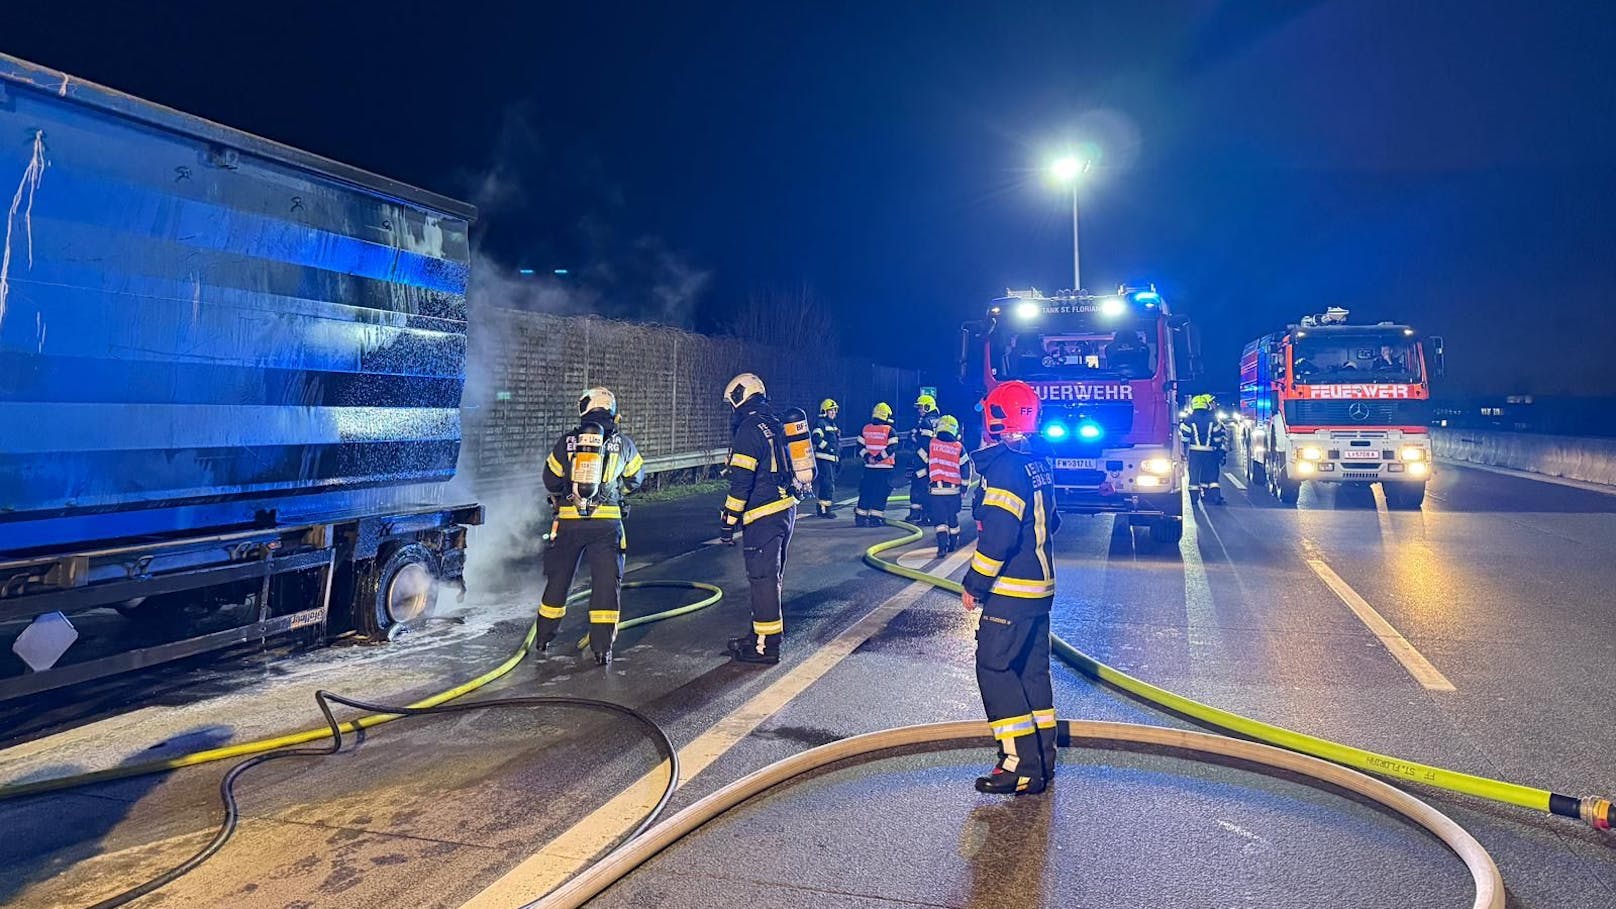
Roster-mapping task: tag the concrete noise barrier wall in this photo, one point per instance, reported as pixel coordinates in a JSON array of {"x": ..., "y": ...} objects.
[{"x": 1567, "y": 457}]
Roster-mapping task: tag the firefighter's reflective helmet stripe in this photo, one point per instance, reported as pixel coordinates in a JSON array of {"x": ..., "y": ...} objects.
[
  {"x": 743, "y": 461},
  {"x": 882, "y": 411},
  {"x": 554, "y": 465},
  {"x": 570, "y": 512},
  {"x": 603, "y": 616},
  {"x": 597, "y": 398},
  {"x": 552, "y": 612},
  {"x": 1003, "y": 498},
  {"x": 1011, "y": 727},
  {"x": 777, "y": 505},
  {"x": 778, "y": 626},
  {"x": 742, "y": 387},
  {"x": 1044, "y": 719},
  {"x": 1025, "y": 588},
  {"x": 827, "y": 406},
  {"x": 926, "y": 403},
  {"x": 985, "y": 565}
]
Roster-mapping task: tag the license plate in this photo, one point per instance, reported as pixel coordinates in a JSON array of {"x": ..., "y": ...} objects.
[
  {"x": 1361, "y": 454},
  {"x": 1076, "y": 464}
]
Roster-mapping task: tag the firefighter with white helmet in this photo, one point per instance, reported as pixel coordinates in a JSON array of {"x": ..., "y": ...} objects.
[
  {"x": 878, "y": 448},
  {"x": 589, "y": 472},
  {"x": 827, "y": 456},
  {"x": 762, "y": 505}
]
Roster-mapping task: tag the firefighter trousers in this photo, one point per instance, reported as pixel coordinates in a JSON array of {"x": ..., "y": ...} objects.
[
  {"x": 943, "y": 507},
  {"x": 825, "y": 471},
  {"x": 919, "y": 495},
  {"x": 1204, "y": 467},
  {"x": 764, "y": 543},
  {"x": 875, "y": 486},
  {"x": 1012, "y": 671},
  {"x": 600, "y": 542}
]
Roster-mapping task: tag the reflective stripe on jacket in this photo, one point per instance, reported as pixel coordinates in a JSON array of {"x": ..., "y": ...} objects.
[
  {"x": 879, "y": 445},
  {"x": 1201, "y": 431},
  {"x": 1014, "y": 552},
  {"x": 948, "y": 464}
]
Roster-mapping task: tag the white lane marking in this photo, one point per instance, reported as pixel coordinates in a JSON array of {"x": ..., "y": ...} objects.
[
  {"x": 576, "y": 848},
  {"x": 1414, "y": 661},
  {"x": 1238, "y": 483}
]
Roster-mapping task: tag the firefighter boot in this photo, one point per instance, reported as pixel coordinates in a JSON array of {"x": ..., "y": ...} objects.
[
  {"x": 1000, "y": 781},
  {"x": 942, "y": 543},
  {"x": 1020, "y": 770},
  {"x": 748, "y": 649}
]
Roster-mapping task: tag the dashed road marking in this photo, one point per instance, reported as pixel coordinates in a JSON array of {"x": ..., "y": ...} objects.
[
  {"x": 576, "y": 848},
  {"x": 1414, "y": 661}
]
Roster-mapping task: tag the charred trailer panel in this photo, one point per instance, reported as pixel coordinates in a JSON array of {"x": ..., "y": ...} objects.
[{"x": 216, "y": 353}]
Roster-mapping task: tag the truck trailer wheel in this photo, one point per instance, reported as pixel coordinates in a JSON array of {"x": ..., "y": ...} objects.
[
  {"x": 401, "y": 588},
  {"x": 1286, "y": 490}
]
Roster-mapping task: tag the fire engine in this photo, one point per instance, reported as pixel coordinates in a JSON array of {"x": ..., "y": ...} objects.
[
  {"x": 1107, "y": 369},
  {"x": 1325, "y": 401}
]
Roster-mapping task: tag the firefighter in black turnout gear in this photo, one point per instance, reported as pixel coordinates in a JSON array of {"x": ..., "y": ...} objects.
[
  {"x": 1204, "y": 440},
  {"x": 587, "y": 475},
  {"x": 827, "y": 457},
  {"x": 762, "y": 504},
  {"x": 1012, "y": 579},
  {"x": 926, "y": 416}
]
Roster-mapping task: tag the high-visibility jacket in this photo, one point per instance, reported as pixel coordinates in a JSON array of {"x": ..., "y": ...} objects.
[
  {"x": 1201, "y": 431},
  {"x": 1015, "y": 555},
  {"x": 759, "y": 474},
  {"x": 827, "y": 440},
  {"x": 948, "y": 466},
  {"x": 622, "y": 472},
  {"x": 879, "y": 445},
  {"x": 920, "y": 437}
]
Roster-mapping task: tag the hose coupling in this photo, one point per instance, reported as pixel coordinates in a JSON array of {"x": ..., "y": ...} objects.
[{"x": 1598, "y": 813}]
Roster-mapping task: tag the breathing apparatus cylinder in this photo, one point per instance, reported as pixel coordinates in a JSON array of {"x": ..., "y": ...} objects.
[
  {"x": 588, "y": 465},
  {"x": 799, "y": 450}
]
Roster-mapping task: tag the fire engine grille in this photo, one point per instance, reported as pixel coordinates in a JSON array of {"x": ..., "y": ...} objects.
[{"x": 1358, "y": 413}]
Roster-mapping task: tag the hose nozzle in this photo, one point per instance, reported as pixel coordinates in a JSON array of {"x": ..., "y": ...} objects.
[{"x": 1598, "y": 813}]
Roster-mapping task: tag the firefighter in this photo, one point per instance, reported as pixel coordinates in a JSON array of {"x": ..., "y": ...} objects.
[
  {"x": 827, "y": 456},
  {"x": 590, "y": 471},
  {"x": 950, "y": 470},
  {"x": 1203, "y": 437},
  {"x": 920, "y": 437},
  {"x": 761, "y": 505},
  {"x": 1012, "y": 579},
  {"x": 879, "y": 450}
]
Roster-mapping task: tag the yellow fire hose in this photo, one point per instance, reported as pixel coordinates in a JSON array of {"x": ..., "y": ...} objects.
[
  {"x": 1594, "y": 811},
  {"x": 243, "y": 749}
]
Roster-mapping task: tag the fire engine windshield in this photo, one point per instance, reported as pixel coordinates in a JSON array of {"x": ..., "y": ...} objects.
[
  {"x": 1334, "y": 357},
  {"x": 1077, "y": 349}
]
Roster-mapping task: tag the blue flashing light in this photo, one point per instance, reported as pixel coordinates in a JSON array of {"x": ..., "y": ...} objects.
[
  {"x": 1147, "y": 296},
  {"x": 1055, "y": 431},
  {"x": 524, "y": 271},
  {"x": 1088, "y": 430},
  {"x": 562, "y": 271}
]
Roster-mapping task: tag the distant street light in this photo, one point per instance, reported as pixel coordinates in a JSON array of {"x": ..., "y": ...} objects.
[{"x": 1068, "y": 170}]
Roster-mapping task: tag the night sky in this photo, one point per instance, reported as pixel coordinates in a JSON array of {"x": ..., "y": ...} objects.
[{"x": 1450, "y": 164}]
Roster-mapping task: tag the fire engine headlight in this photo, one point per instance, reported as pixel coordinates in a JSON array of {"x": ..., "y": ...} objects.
[
  {"x": 1027, "y": 310},
  {"x": 1312, "y": 453},
  {"x": 1111, "y": 307},
  {"x": 1412, "y": 454},
  {"x": 1419, "y": 469},
  {"x": 1161, "y": 467},
  {"x": 1147, "y": 482},
  {"x": 1306, "y": 467}
]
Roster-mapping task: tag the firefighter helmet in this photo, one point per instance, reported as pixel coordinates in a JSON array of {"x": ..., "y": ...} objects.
[
  {"x": 882, "y": 411},
  {"x": 1201, "y": 402},
  {"x": 926, "y": 403},
  {"x": 949, "y": 425},
  {"x": 828, "y": 405},
  {"x": 741, "y": 388},
  {"x": 597, "y": 398},
  {"x": 1011, "y": 410}
]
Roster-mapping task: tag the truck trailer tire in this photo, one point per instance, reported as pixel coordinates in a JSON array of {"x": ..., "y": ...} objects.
[
  {"x": 1285, "y": 489},
  {"x": 399, "y": 587}
]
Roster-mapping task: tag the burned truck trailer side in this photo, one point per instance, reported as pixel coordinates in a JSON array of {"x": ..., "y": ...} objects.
[{"x": 230, "y": 381}]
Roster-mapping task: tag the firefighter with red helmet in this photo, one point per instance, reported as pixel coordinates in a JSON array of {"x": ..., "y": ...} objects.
[
  {"x": 1012, "y": 580},
  {"x": 948, "y": 469},
  {"x": 587, "y": 475}
]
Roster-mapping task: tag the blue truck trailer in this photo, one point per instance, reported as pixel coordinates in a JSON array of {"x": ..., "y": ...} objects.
[{"x": 230, "y": 381}]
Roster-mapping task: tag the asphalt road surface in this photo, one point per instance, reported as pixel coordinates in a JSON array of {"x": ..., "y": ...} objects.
[{"x": 1475, "y": 634}]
